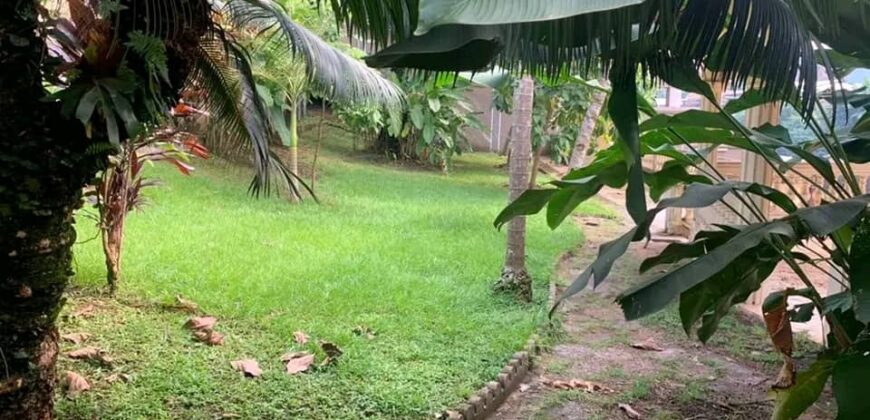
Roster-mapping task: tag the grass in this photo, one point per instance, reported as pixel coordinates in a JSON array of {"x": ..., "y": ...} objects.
[{"x": 410, "y": 254}]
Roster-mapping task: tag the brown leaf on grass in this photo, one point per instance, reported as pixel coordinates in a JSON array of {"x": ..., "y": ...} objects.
[
  {"x": 630, "y": 412},
  {"x": 212, "y": 338},
  {"x": 297, "y": 362},
  {"x": 333, "y": 352},
  {"x": 364, "y": 331},
  {"x": 647, "y": 345},
  {"x": 331, "y": 349},
  {"x": 185, "y": 305},
  {"x": 300, "y": 337},
  {"x": 91, "y": 353},
  {"x": 778, "y": 324},
  {"x": 85, "y": 311},
  {"x": 118, "y": 377},
  {"x": 76, "y": 338},
  {"x": 84, "y": 353},
  {"x": 201, "y": 323},
  {"x": 75, "y": 384},
  {"x": 249, "y": 367},
  {"x": 587, "y": 386}
]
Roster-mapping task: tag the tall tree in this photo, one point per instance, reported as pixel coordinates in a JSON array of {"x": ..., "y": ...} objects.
[
  {"x": 587, "y": 129},
  {"x": 515, "y": 278},
  {"x": 109, "y": 86}
]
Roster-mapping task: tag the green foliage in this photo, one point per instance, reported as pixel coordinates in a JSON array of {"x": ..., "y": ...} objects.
[
  {"x": 558, "y": 114},
  {"x": 430, "y": 127}
]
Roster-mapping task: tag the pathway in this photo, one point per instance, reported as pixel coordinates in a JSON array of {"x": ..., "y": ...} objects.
[{"x": 727, "y": 379}]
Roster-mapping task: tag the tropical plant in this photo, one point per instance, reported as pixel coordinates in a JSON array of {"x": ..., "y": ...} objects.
[
  {"x": 104, "y": 63},
  {"x": 118, "y": 189},
  {"x": 364, "y": 122},
  {"x": 765, "y": 47},
  {"x": 433, "y": 126},
  {"x": 430, "y": 127},
  {"x": 559, "y": 107}
]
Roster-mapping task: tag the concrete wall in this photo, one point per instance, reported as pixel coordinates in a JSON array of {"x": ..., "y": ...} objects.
[{"x": 497, "y": 125}]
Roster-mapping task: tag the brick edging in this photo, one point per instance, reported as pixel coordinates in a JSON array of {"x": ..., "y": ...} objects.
[{"x": 485, "y": 401}]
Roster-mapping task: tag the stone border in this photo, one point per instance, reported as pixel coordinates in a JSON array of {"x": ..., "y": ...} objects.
[{"x": 485, "y": 401}]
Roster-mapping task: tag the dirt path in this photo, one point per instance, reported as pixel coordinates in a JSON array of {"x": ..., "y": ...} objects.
[{"x": 727, "y": 379}]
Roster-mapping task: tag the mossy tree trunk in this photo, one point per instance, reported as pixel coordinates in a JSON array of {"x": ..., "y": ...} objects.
[
  {"x": 43, "y": 167},
  {"x": 515, "y": 279}
]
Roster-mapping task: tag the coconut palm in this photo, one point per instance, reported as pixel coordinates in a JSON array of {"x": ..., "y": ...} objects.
[{"x": 76, "y": 84}]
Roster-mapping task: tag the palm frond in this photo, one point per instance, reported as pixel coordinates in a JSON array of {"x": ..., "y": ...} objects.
[
  {"x": 337, "y": 75},
  {"x": 382, "y": 22},
  {"x": 222, "y": 70},
  {"x": 747, "y": 42}
]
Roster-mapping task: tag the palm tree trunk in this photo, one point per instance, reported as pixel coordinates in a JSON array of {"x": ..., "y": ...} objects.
[
  {"x": 44, "y": 167},
  {"x": 587, "y": 129},
  {"x": 536, "y": 164},
  {"x": 294, "y": 152},
  {"x": 514, "y": 277}
]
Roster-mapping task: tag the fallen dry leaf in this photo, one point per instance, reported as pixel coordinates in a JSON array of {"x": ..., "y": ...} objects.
[
  {"x": 116, "y": 377},
  {"x": 185, "y": 305},
  {"x": 586, "y": 386},
  {"x": 76, "y": 338},
  {"x": 249, "y": 367},
  {"x": 76, "y": 384},
  {"x": 333, "y": 352},
  {"x": 297, "y": 362},
  {"x": 648, "y": 345},
  {"x": 84, "y": 353},
  {"x": 630, "y": 412},
  {"x": 330, "y": 349},
  {"x": 524, "y": 387},
  {"x": 85, "y": 311},
  {"x": 212, "y": 338},
  {"x": 91, "y": 353},
  {"x": 201, "y": 323},
  {"x": 364, "y": 331},
  {"x": 778, "y": 324},
  {"x": 300, "y": 337}
]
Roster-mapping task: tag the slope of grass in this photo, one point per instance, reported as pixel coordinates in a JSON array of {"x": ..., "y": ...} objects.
[{"x": 410, "y": 254}]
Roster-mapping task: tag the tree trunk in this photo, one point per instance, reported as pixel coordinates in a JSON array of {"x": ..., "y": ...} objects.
[
  {"x": 43, "y": 167},
  {"x": 536, "y": 164},
  {"x": 587, "y": 129},
  {"x": 293, "y": 150},
  {"x": 515, "y": 279}
]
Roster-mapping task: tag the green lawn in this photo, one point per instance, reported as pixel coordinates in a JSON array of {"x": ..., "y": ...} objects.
[{"x": 409, "y": 253}]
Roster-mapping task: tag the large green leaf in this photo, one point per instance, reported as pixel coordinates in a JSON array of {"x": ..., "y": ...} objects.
[
  {"x": 608, "y": 253},
  {"x": 711, "y": 300},
  {"x": 493, "y": 12},
  {"x": 676, "y": 252},
  {"x": 828, "y": 218},
  {"x": 695, "y": 196},
  {"x": 792, "y": 402},
  {"x": 87, "y": 104},
  {"x": 530, "y": 202},
  {"x": 622, "y": 108},
  {"x": 654, "y": 295},
  {"x": 671, "y": 175},
  {"x": 857, "y": 150},
  {"x": 851, "y": 380}
]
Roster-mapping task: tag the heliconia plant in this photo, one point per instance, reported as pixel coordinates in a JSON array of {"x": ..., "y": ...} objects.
[{"x": 118, "y": 189}]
